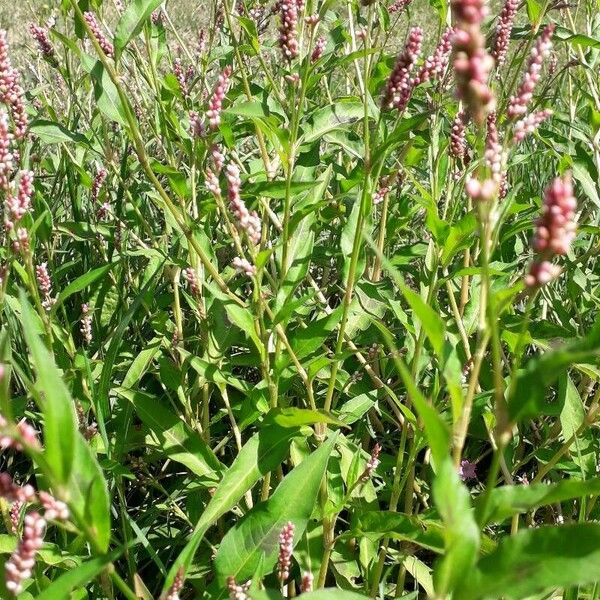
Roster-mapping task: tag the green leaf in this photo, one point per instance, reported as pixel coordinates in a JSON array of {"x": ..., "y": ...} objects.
[
  {"x": 534, "y": 11},
  {"x": 430, "y": 320},
  {"x": 261, "y": 454},
  {"x": 82, "y": 282},
  {"x": 173, "y": 436},
  {"x": 332, "y": 594},
  {"x": 529, "y": 397},
  {"x": 297, "y": 417},
  {"x": 132, "y": 21},
  {"x": 256, "y": 536},
  {"x": 534, "y": 560},
  {"x": 509, "y": 500},
  {"x": 376, "y": 525},
  {"x": 51, "y": 132},
  {"x": 345, "y": 111},
  {"x": 54, "y": 399},
  {"x": 74, "y": 579}
]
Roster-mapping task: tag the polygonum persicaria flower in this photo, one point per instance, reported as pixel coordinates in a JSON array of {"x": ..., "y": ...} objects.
[
  {"x": 86, "y": 323},
  {"x": 472, "y": 64},
  {"x": 103, "y": 41},
  {"x": 493, "y": 148},
  {"x": 218, "y": 157},
  {"x": 6, "y": 156},
  {"x": 529, "y": 124},
  {"x": 398, "y": 5},
  {"x": 54, "y": 510},
  {"x": 467, "y": 470},
  {"x": 40, "y": 35},
  {"x": 11, "y": 92},
  {"x": 45, "y": 285},
  {"x": 318, "y": 49},
  {"x": 312, "y": 20},
  {"x": 197, "y": 128},
  {"x": 555, "y": 231},
  {"x": 20, "y": 564},
  {"x": 12, "y": 492},
  {"x": 201, "y": 45},
  {"x": 212, "y": 183},
  {"x": 307, "y": 582},
  {"x": 372, "y": 463},
  {"x": 156, "y": 16},
  {"x": 458, "y": 139},
  {"x": 190, "y": 275},
  {"x": 288, "y": 29},
  {"x": 399, "y": 85},
  {"x": 518, "y": 103},
  {"x": 556, "y": 226},
  {"x": 247, "y": 221},
  {"x": 22, "y": 434},
  {"x": 503, "y": 31},
  {"x": 215, "y": 104},
  {"x": 181, "y": 78},
  {"x": 242, "y": 265},
  {"x": 436, "y": 64},
  {"x": 15, "y": 516},
  {"x": 97, "y": 183},
  {"x": 380, "y": 194},
  {"x": 286, "y": 549},
  {"x": 237, "y": 591},
  {"x": 176, "y": 587},
  {"x": 481, "y": 191}
]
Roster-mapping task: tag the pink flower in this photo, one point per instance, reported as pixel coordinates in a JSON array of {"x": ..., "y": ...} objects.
[
  {"x": 103, "y": 41},
  {"x": 40, "y": 35},
  {"x": 435, "y": 65},
  {"x": 45, "y": 285},
  {"x": 458, "y": 140},
  {"x": 12, "y": 492},
  {"x": 472, "y": 63},
  {"x": 467, "y": 470},
  {"x": 176, "y": 586},
  {"x": 86, "y": 324},
  {"x": 212, "y": 183},
  {"x": 503, "y": 31},
  {"x": 318, "y": 49},
  {"x": 288, "y": 34},
  {"x": 518, "y": 103},
  {"x": 247, "y": 221},
  {"x": 372, "y": 463},
  {"x": 11, "y": 92},
  {"x": 191, "y": 277},
  {"x": 97, "y": 184},
  {"x": 307, "y": 582},
  {"x": 181, "y": 77},
  {"x": 286, "y": 548},
  {"x": 218, "y": 157},
  {"x": 237, "y": 591},
  {"x": 54, "y": 510},
  {"x": 20, "y": 564},
  {"x": 215, "y": 103},
  {"x": 380, "y": 194},
  {"x": 6, "y": 156},
  {"x": 400, "y": 86},
  {"x": 529, "y": 124},
  {"x": 493, "y": 148},
  {"x": 398, "y": 5},
  {"x": 242, "y": 265}
]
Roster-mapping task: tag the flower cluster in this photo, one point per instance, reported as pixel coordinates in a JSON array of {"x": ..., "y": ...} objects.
[
  {"x": 466, "y": 470},
  {"x": 103, "y": 41},
  {"x": 242, "y": 265},
  {"x": 288, "y": 34},
  {"x": 555, "y": 230},
  {"x": 176, "y": 587},
  {"x": 400, "y": 85},
  {"x": 191, "y": 277},
  {"x": 45, "y": 285},
  {"x": 503, "y": 31},
  {"x": 6, "y": 156},
  {"x": 372, "y": 463},
  {"x": 19, "y": 565},
  {"x": 380, "y": 194},
  {"x": 86, "y": 324},
  {"x": 518, "y": 103},
  {"x": 246, "y": 220},
  {"x": 307, "y": 582},
  {"x": 218, "y": 157},
  {"x": 215, "y": 103},
  {"x": 26, "y": 434},
  {"x": 398, "y": 5},
  {"x": 472, "y": 63},
  {"x": 212, "y": 183},
  {"x": 458, "y": 140},
  {"x": 436, "y": 64},
  {"x": 493, "y": 149},
  {"x": 17, "y": 206},
  {"x": 318, "y": 49},
  {"x": 237, "y": 591},
  {"x": 529, "y": 124},
  {"x": 181, "y": 77},
  {"x": 40, "y": 35},
  {"x": 286, "y": 548},
  {"x": 11, "y": 92},
  {"x": 97, "y": 184}
]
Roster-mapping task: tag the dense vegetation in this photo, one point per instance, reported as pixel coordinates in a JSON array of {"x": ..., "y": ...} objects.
[{"x": 303, "y": 304}]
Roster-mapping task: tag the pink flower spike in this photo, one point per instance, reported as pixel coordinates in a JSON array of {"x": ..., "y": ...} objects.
[
  {"x": 458, "y": 140},
  {"x": 503, "y": 31},
  {"x": 103, "y": 41},
  {"x": 400, "y": 86},
  {"x": 435, "y": 65},
  {"x": 40, "y": 35},
  {"x": 286, "y": 548},
  {"x": 467, "y": 470},
  {"x": 398, "y": 6},
  {"x": 176, "y": 586},
  {"x": 215, "y": 103},
  {"x": 288, "y": 29},
  {"x": 319, "y": 48},
  {"x": 6, "y": 156},
  {"x": 241, "y": 265},
  {"x": 518, "y": 103},
  {"x": 529, "y": 124}
]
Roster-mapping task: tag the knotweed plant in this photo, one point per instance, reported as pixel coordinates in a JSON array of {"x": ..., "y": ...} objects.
[{"x": 299, "y": 298}]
